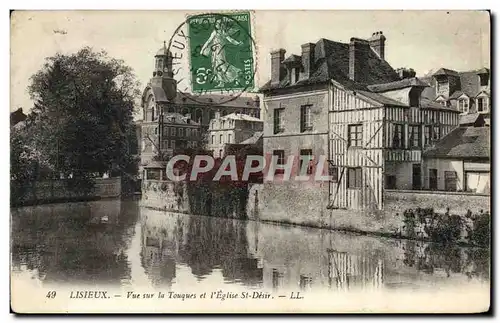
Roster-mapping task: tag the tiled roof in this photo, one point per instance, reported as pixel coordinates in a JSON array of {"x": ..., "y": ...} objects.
[
  {"x": 469, "y": 83},
  {"x": 380, "y": 98},
  {"x": 472, "y": 119},
  {"x": 430, "y": 104},
  {"x": 331, "y": 61},
  {"x": 445, "y": 71},
  {"x": 456, "y": 94},
  {"x": 205, "y": 99},
  {"x": 254, "y": 139},
  {"x": 293, "y": 58},
  {"x": 400, "y": 84},
  {"x": 177, "y": 118},
  {"x": 463, "y": 143},
  {"x": 241, "y": 116}
]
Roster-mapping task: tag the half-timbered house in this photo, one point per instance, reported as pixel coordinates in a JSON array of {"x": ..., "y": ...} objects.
[{"x": 347, "y": 102}]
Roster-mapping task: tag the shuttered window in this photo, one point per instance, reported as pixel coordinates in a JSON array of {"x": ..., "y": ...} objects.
[
  {"x": 305, "y": 118},
  {"x": 397, "y": 139},
  {"x": 415, "y": 137},
  {"x": 278, "y": 120}
]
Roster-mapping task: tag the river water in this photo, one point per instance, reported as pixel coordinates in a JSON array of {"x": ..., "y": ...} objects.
[{"x": 118, "y": 243}]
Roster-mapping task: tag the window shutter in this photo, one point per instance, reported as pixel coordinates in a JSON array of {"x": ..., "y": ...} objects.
[
  {"x": 276, "y": 121},
  {"x": 302, "y": 119}
]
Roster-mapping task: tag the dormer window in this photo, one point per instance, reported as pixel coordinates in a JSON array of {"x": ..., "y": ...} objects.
[
  {"x": 441, "y": 101},
  {"x": 482, "y": 104},
  {"x": 463, "y": 105}
]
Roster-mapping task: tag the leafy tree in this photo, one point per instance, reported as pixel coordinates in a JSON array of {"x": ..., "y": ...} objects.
[{"x": 83, "y": 116}]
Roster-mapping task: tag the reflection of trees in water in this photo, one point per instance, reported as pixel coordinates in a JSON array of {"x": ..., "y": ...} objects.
[
  {"x": 429, "y": 257},
  {"x": 61, "y": 243},
  {"x": 219, "y": 243}
]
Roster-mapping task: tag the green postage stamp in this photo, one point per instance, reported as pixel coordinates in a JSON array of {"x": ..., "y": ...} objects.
[{"x": 221, "y": 52}]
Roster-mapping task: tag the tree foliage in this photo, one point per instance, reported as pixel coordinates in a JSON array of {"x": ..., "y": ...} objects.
[{"x": 82, "y": 120}]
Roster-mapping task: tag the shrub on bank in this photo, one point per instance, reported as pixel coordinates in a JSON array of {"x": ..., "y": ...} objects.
[{"x": 425, "y": 224}]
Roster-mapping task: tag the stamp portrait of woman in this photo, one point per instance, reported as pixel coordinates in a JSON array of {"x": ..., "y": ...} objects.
[{"x": 216, "y": 47}]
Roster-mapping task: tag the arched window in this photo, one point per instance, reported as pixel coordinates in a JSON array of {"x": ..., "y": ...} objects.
[
  {"x": 198, "y": 115},
  {"x": 159, "y": 63},
  {"x": 171, "y": 108},
  {"x": 212, "y": 114},
  {"x": 185, "y": 111}
]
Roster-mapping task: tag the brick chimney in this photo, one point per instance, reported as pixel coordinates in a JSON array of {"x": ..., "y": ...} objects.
[
  {"x": 358, "y": 57},
  {"x": 307, "y": 59},
  {"x": 377, "y": 42},
  {"x": 277, "y": 70}
]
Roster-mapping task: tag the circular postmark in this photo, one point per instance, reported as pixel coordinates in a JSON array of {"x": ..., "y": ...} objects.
[{"x": 220, "y": 53}]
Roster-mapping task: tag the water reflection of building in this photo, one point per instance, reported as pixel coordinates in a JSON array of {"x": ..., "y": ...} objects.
[
  {"x": 201, "y": 243},
  {"x": 318, "y": 260},
  {"x": 346, "y": 271},
  {"x": 160, "y": 239}
]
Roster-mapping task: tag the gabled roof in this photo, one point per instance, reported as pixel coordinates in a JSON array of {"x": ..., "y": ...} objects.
[
  {"x": 331, "y": 61},
  {"x": 400, "y": 84},
  {"x": 456, "y": 95},
  {"x": 483, "y": 70},
  {"x": 462, "y": 143},
  {"x": 445, "y": 71},
  {"x": 483, "y": 92}
]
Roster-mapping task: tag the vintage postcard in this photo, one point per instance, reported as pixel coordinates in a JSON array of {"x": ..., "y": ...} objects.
[{"x": 247, "y": 161}]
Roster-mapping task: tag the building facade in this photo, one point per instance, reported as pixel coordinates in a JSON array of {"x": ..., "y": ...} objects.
[
  {"x": 468, "y": 92},
  {"x": 163, "y": 138},
  {"x": 230, "y": 129},
  {"x": 344, "y": 101},
  {"x": 461, "y": 160},
  {"x": 177, "y": 122}
]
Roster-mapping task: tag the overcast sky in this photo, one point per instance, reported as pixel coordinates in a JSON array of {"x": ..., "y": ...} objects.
[{"x": 422, "y": 40}]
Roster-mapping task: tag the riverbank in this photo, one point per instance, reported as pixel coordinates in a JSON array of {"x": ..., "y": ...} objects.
[
  {"x": 423, "y": 216},
  {"x": 58, "y": 191}
]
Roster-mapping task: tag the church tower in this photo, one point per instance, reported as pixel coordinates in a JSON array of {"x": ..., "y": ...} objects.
[{"x": 163, "y": 76}]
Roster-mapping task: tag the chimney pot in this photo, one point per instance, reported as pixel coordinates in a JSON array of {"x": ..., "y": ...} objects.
[{"x": 377, "y": 42}]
